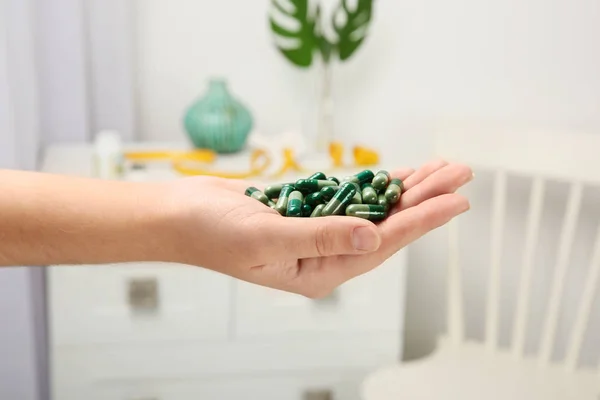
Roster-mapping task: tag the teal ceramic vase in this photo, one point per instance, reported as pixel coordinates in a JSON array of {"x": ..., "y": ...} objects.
[{"x": 217, "y": 121}]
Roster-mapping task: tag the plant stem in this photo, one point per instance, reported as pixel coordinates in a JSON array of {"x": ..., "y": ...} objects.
[{"x": 326, "y": 106}]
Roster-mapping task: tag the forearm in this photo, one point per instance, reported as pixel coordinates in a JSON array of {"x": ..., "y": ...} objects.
[{"x": 50, "y": 220}]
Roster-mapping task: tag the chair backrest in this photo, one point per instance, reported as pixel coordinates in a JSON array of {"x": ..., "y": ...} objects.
[{"x": 542, "y": 156}]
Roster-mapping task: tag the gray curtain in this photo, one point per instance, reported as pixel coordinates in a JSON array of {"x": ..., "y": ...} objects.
[
  {"x": 43, "y": 99},
  {"x": 22, "y": 323}
]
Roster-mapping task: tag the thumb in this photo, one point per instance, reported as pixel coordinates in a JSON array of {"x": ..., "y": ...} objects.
[{"x": 324, "y": 236}]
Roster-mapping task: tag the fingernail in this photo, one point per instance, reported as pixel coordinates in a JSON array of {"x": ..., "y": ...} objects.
[
  {"x": 365, "y": 239},
  {"x": 469, "y": 178},
  {"x": 466, "y": 207}
]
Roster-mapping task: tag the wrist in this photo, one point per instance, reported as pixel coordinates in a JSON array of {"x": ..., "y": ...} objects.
[
  {"x": 155, "y": 223},
  {"x": 166, "y": 215}
]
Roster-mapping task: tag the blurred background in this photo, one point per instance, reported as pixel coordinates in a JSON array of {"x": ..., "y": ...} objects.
[{"x": 153, "y": 71}]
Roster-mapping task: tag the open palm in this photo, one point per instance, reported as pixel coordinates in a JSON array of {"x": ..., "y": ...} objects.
[{"x": 309, "y": 256}]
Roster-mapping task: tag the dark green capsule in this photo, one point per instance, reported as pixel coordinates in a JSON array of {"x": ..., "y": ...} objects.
[
  {"x": 294, "y": 207},
  {"x": 366, "y": 211},
  {"x": 258, "y": 195},
  {"x": 317, "y": 211},
  {"x": 312, "y": 185},
  {"x": 381, "y": 180},
  {"x": 282, "y": 202},
  {"x": 306, "y": 210},
  {"x": 318, "y": 176},
  {"x": 342, "y": 198},
  {"x": 334, "y": 179},
  {"x": 394, "y": 191},
  {"x": 314, "y": 199},
  {"x": 328, "y": 192},
  {"x": 369, "y": 195},
  {"x": 365, "y": 176},
  {"x": 382, "y": 201},
  {"x": 273, "y": 191}
]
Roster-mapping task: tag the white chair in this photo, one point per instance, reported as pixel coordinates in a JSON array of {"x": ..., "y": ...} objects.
[{"x": 472, "y": 370}]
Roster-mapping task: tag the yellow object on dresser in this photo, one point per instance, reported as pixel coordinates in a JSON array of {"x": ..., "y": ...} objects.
[{"x": 186, "y": 162}]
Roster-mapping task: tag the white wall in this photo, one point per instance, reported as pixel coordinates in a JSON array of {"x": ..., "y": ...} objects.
[
  {"x": 111, "y": 57},
  {"x": 528, "y": 61},
  {"x": 183, "y": 42}
]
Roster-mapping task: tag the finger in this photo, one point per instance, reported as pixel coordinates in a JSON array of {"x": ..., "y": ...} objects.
[
  {"x": 299, "y": 238},
  {"x": 446, "y": 180},
  {"x": 399, "y": 231},
  {"x": 423, "y": 172},
  {"x": 409, "y": 225}
]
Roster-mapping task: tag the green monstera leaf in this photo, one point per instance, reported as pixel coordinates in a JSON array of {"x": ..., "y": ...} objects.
[
  {"x": 353, "y": 30},
  {"x": 298, "y": 45},
  {"x": 304, "y": 40}
]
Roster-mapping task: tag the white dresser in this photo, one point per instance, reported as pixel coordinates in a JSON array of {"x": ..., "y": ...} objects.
[{"x": 171, "y": 332}]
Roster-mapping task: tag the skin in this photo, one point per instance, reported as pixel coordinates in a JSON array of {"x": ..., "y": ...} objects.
[{"x": 209, "y": 222}]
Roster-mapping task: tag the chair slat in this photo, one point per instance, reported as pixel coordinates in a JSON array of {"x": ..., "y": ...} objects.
[
  {"x": 455, "y": 300},
  {"x": 498, "y": 218},
  {"x": 564, "y": 252},
  {"x": 585, "y": 308},
  {"x": 534, "y": 218}
]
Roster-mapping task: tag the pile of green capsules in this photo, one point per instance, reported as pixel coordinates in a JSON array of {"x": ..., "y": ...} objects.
[{"x": 364, "y": 195}]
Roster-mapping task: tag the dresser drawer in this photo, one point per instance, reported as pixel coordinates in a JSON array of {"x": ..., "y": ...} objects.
[
  {"x": 338, "y": 385},
  {"x": 137, "y": 303},
  {"x": 373, "y": 302}
]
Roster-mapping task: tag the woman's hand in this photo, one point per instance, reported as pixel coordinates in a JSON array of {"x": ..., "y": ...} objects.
[
  {"x": 214, "y": 225},
  {"x": 209, "y": 222}
]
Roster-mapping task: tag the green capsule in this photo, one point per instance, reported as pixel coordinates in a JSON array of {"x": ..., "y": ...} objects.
[
  {"x": 318, "y": 176},
  {"x": 382, "y": 201},
  {"x": 328, "y": 192},
  {"x": 334, "y": 179},
  {"x": 381, "y": 180},
  {"x": 306, "y": 210},
  {"x": 394, "y": 191},
  {"x": 273, "y": 191},
  {"x": 314, "y": 199},
  {"x": 317, "y": 211},
  {"x": 357, "y": 199},
  {"x": 258, "y": 195},
  {"x": 366, "y": 211},
  {"x": 365, "y": 176},
  {"x": 312, "y": 185},
  {"x": 282, "y": 202},
  {"x": 342, "y": 198},
  {"x": 369, "y": 195},
  {"x": 294, "y": 207}
]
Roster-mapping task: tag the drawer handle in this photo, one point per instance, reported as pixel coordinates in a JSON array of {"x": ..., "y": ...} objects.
[
  {"x": 143, "y": 295},
  {"x": 318, "y": 395}
]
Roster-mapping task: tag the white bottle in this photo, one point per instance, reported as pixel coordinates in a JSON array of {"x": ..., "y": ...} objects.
[{"x": 108, "y": 155}]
